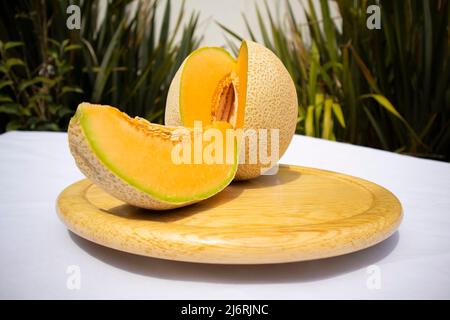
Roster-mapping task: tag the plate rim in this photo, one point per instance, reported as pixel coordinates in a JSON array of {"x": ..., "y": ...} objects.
[{"x": 232, "y": 249}]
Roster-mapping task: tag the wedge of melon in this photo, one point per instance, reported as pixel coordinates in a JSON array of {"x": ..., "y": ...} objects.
[
  {"x": 133, "y": 159},
  {"x": 252, "y": 92}
]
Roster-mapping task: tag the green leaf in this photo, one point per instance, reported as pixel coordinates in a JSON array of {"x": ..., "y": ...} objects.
[
  {"x": 154, "y": 116},
  {"x": 67, "y": 89},
  {"x": 5, "y": 99},
  {"x": 312, "y": 81},
  {"x": 232, "y": 46},
  {"x": 54, "y": 42},
  {"x": 229, "y": 31},
  {"x": 65, "y": 43},
  {"x": 314, "y": 26},
  {"x": 309, "y": 121},
  {"x": 5, "y": 83},
  {"x": 53, "y": 53},
  {"x": 11, "y": 108},
  {"x": 13, "y": 125},
  {"x": 177, "y": 24},
  {"x": 25, "y": 111},
  {"x": 262, "y": 28},
  {"x": 377, "y": 128},
  {"x": 319, "y": 99},
  {"x": 108, "y": 63},
  {"x": 53, "y": 108},
  {"x": 72, "y": 47},
  {"x": 329, "y": 29},
  {"x": 64, "y": 111},
  {"x": 48, "y": 127},
  {"x": 385, "y": 103},
  {"x": 365, "y": 70},
  {"x": 27, "y": 83},
  {"x": 91, "y": 51},
  {"x": 40, "y": 97},
  {"x": 292, "y": 17},
  {"x": 249, "y": 29},
  {"x": 428, "y": 38},
  {"x": 327, "y": 124},
  {"x": 11, "y": 62},
  {"x": 163, "y": 36},
  {"x": 12, "y": 44},
  {"x": 337, "y": 110}
]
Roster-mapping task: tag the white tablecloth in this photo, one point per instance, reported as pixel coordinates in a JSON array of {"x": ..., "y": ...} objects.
[{"x": 37, "y": 251}]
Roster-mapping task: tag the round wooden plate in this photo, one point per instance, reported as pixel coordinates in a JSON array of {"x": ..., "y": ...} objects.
[{"x": 299, "y": 214}]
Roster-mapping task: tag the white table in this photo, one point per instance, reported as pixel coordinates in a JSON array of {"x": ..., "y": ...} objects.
[{"x": 37, "y": 250}]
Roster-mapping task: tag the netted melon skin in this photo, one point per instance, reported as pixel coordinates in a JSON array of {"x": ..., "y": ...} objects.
[
  {"x": 271, "y": 103},
  {"x": 172, "y": 116}
]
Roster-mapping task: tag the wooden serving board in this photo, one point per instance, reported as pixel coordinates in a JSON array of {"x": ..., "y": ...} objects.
[{"x": 299, "y": 214}]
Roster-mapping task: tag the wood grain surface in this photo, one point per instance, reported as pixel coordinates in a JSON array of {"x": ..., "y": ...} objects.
[{"x": 299, "y": 214}]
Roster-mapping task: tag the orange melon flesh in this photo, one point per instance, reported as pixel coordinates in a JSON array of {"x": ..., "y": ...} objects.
[
  {"x": 242, "y": 69},
  {"x": 140, "y": 153},
  {"x": 210, "y": 71}
]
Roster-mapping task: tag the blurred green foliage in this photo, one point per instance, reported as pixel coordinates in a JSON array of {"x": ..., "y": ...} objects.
[
  {"x": 386, "y": 88},
  {"x": 120, "y": 56}
]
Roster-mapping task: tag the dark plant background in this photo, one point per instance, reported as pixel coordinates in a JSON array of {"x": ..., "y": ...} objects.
[
  {"x": 125, "y": 59},
  {"x": 385, "y": 88}
]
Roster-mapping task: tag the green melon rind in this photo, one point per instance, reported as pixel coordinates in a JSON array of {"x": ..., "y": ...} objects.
[
  {"x": 167, "y": 202},
  {"x": 171, "y": 199}
]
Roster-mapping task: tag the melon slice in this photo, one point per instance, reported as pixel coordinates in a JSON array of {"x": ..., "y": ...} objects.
[
  {"x": 135, "y": 160},
  {"x": 252, "y": 92}
]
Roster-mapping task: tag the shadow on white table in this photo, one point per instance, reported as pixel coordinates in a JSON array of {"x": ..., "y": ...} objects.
[{"x": 271, "y": 273}]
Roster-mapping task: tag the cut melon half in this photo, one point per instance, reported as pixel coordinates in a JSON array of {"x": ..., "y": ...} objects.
[
  {"x": 136, "y": 161},
  {"x": 252, "y": 92},
  {"x": 209, "y": 89}
]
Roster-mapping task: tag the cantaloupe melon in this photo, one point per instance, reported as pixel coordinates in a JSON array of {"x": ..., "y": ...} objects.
[
  {"x": 254, "y": 91},
  {"x": 133, "y": 159}
]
